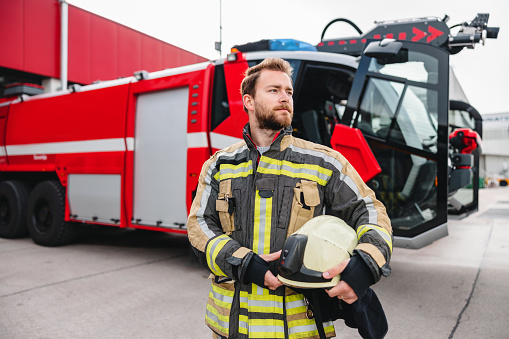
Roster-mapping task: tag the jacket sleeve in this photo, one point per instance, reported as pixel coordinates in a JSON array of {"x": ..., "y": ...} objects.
[
  {"x": 349, "y": 198},
  {"x": 218, "y": 252}
]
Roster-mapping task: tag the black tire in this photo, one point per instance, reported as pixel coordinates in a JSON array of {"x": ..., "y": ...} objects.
[
  {"x": 46, "y": 215},
  {"x": 13, "y": 207}
]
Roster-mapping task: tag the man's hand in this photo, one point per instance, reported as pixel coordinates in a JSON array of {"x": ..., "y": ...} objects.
[
  {"x": 270, "y": 281},
  {"x": 342, "y": 290}
]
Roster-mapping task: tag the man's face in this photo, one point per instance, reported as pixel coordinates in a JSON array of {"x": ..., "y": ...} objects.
[{"x": 273, "y": 101}]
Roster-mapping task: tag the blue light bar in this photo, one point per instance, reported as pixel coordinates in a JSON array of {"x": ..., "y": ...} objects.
[{"x": 290, "y": 45}]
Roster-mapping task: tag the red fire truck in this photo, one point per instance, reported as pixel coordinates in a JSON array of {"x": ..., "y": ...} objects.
[{"x": 128, "y": 152}]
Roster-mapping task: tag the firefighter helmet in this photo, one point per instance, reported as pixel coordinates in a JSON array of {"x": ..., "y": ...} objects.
[{"x": 320, "y": 244}]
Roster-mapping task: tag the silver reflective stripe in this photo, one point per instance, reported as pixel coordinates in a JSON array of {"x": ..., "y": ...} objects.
[
  {"x": 207, "y": 191},
  {"x": 265, "y": 329},
  {"x": 222, "y": 297},
  {"x": 243, "y": 324},
  {"x": 373, "y": 215},
  {"x": 203, "y": 204},
  {"x": 210, "y": 253},
  {"x": 215, "y": 318},
  {"x": 331, "y": 160},
  {"x": 266, "y": 303},
  {"x": 261, "y": 225},
  {"x": 257, "y": 290},
  {"x": 295, "y": 304}
]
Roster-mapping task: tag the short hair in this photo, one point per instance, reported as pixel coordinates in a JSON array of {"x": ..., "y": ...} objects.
[{"x": 252, "y": 74}]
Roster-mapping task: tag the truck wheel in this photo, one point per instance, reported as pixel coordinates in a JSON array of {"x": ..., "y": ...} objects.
[
  {"x": 13, "y": 207},
  {"x": 46, "y": 215}
]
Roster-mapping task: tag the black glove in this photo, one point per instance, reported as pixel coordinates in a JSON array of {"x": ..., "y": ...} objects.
[
  {"x": 358, "y": 276},
  {"x": 255, "y": 271}
]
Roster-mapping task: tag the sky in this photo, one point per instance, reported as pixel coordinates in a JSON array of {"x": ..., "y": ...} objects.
[{"x": 194, "y": 25}]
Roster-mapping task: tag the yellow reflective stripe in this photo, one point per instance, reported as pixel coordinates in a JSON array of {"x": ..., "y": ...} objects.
[
  {"x": 223, "y": 318},
  {"x": 243, "y": 321},
  {"x": 294, "y": 297},
  {"x": 214, "y": 323},
  {"x": 225, "y": 302},
  {"x": 309, "y": 167},
  {"x": 293, "y": 175},
  {"x": 361, "y": 230},
  {"x": 301, "y": 322},
  {"x": 296, "y": 310},
  {"x": 270, "y": 297},
  {"x": 229, "y": 171},
  {"x": 213, "y": 248},
  {"x": 303, "y": 171},
  {"x": 307, "y": 334},
  {"x": 295, "y": 304},
  {"x": 243, "y": 299},
  {"x": 223, "y": 291},
  {"x": 261, "y": 303}
]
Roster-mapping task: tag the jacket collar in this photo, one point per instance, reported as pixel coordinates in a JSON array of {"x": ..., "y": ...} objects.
[{"x": 276, "y": 143}]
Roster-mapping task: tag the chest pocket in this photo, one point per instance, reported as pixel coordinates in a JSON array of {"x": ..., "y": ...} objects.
[
  {"x": 305, "y": 200},
  {"x": 225, "y": 206}
]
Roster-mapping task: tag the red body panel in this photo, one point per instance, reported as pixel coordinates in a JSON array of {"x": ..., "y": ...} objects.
[
  {"x": 351, "y": 143},
  {"x": 234, "y": 74},
  {"x": 4, "y": 111},
  {"x": 68, "y": 128},
  {"x": 96, "y": 114}
]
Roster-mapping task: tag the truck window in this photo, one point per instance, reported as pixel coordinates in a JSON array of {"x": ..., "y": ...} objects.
[
  {"x": 400, "y": 113},
  {"x": 321, "y": 92},
  {"x": 220, "y": 107}
]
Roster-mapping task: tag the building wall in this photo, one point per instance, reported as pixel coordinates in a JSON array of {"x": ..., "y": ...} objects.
[
  {"x": 99, "y": 49},
  {"x": 495, "y": 144}
]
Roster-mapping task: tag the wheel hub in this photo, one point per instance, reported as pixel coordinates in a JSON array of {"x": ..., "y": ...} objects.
[{"x": 43, "y": 217}]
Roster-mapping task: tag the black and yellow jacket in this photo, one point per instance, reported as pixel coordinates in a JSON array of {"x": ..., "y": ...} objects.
[{"x": 247, "y": 203}]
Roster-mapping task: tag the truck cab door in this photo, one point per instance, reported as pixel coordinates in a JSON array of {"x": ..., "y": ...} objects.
[
  {"x": 466, "y": 200},
  {"x": 399, "y": 101}
]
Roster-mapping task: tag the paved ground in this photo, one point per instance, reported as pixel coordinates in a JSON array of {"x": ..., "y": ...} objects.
[{"x": 134, "y": 284}]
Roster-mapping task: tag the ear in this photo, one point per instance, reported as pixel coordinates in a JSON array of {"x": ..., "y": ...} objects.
[{"x": 248, "y": 102}]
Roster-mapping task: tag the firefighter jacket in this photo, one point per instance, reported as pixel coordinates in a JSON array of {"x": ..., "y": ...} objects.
[{"x": 250, "y": 203}]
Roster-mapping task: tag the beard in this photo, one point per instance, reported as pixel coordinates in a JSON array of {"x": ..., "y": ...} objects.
[{"x": 270, "y": 119}]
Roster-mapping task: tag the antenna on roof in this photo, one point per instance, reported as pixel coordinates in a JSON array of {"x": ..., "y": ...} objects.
[{"x": 220, "y": 42}]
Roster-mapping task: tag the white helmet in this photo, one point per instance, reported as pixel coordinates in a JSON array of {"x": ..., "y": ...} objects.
[{"x": 320, "y": 244}]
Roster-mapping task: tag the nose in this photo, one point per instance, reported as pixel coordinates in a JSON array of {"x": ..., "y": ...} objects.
[{"x": 284, "y": 97}]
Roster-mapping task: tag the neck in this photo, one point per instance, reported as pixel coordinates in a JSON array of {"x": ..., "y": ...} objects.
[{"x": 261, "y": 137}]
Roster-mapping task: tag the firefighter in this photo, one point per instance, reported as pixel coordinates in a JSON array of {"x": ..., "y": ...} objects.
[{"x": 252, "y": 195}]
